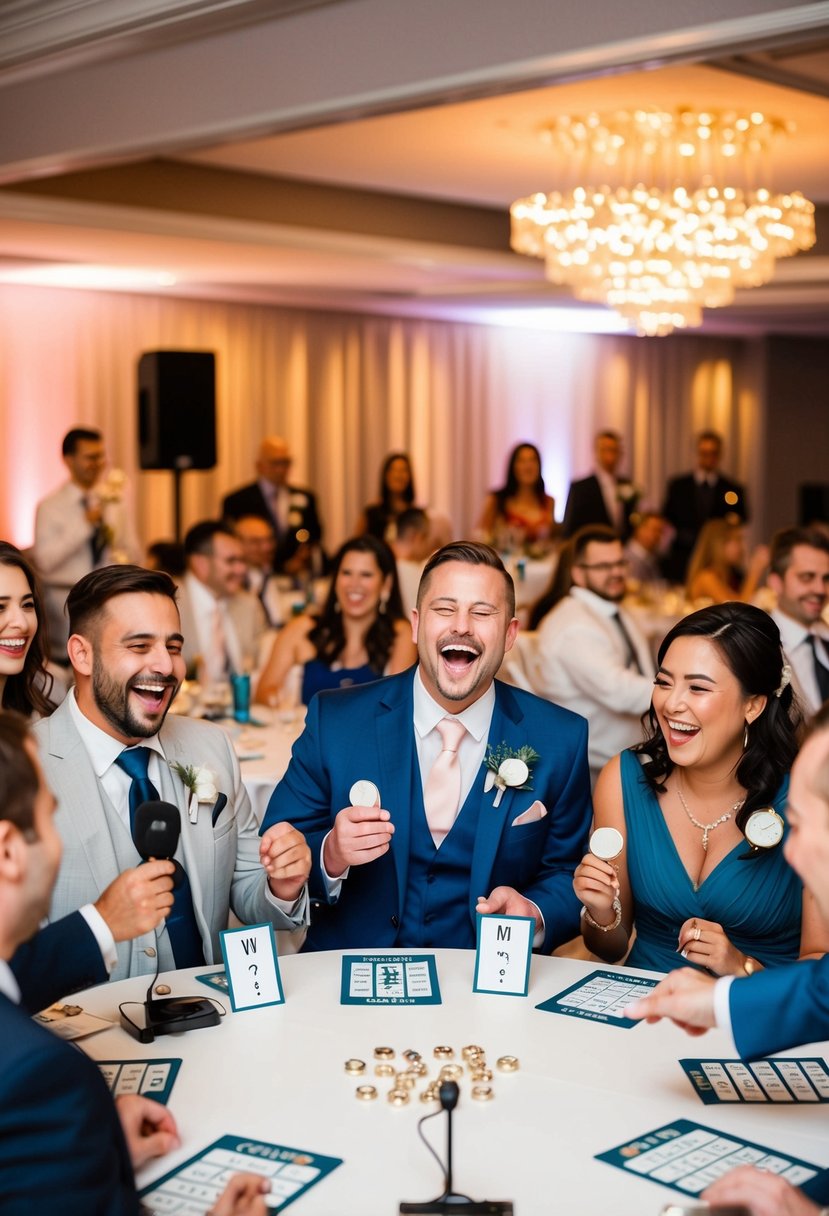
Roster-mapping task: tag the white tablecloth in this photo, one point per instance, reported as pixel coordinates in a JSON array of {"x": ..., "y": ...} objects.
[{"x": 277, "y": 1074}]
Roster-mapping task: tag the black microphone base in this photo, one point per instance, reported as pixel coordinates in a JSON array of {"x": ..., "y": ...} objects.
[
  {"x": 448, "y": 1206},
  {"x": 173, "y": 1015}
]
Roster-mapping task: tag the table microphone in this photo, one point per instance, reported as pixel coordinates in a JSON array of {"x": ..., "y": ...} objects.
[
  {"x": 155, "y": 833},
  {"x": 450, "y": 1203}
]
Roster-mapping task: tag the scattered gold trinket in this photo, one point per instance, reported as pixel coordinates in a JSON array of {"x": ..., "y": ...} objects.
[
  {"x": 507, "y": 1063},
  {"x": 481, "y": 1074},
  {"x": 384, "y": 1070},
  {"x": 471, "y": 1050},
  {"x": 444, "y": 1053},
  {"x": 451, "y": 1072},
  {"x": 384, "y": 1053},
  {"x": 482, "y": 1093},
  {"x": 366, "y": 1093},
  {"x": 355, "y": 1067},
  {"x": 398, "y": 1097}
]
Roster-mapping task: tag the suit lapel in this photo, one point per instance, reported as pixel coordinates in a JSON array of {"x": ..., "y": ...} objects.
[
  {"x": 82, "y": 804},
  {"x": 506, "y": 718},
  {"x": 396, "y": 749}
]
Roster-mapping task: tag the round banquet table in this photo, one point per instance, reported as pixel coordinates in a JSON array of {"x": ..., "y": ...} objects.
[{"x": 277, "y": 1074}]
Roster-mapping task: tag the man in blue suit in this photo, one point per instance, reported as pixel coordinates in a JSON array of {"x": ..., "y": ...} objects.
[
  {"x": 775, "y": 1009},
  {"x": 411, "y": 870},
  {"x": 63, "y": 1144}
]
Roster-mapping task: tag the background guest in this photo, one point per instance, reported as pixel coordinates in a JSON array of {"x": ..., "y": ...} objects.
[
  {"x": 223, "y": 625},
  {"x": 80, "y": 526},
  {"x": 411, "y": 546},
  {"x": 291, "y": 510},
  {"x": 722, "y": 739},
  {"x": 167, "y": 555},
  {"x": 643, "y": 549},
  {"x": 397, "y": 494},
  {"x": 717, "y": 565},
  {"x": 359, "y": 635},
  {"x": 693, "y": 498},
  {"x": 559, "y": 586},
  {"x": 590, "y": 656},
  {"x": 25, "y": 683},
  {"x": 521, "y": 512},
  {"x": 799, "y": 577},
  {"x": 259, "y": 549},
  {"x": 605, "y": 497}
]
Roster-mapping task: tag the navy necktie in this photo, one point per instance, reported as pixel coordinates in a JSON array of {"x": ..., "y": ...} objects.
[
  {"x": 181, "y": 922},
  {"x": 821, "y": 672},
  {"x": 632, "y": 658}
]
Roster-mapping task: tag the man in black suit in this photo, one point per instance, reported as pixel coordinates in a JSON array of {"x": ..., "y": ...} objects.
[
  {"x": 693, "y": 498},
  {"x": 604, "y": 497},
  {"x": 64, "y": 1145},
  {"x": 291, "y": 510}
]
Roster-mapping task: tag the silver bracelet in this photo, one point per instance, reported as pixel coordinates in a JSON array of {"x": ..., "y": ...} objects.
[{"x": 617, "y": 908}]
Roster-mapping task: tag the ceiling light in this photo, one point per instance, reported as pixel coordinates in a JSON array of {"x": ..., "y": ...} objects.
[
  {"x": 665, "y": 213},
  {"x": 96, "y": 278}
]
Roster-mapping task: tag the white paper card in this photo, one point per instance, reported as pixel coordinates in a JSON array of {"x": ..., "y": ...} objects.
[
  {"x": 251, "y": 967},
  {"x": 503, "y": 955}
]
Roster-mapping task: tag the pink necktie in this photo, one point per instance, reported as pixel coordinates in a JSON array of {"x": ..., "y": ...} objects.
[{"x": 442, "y": 795}]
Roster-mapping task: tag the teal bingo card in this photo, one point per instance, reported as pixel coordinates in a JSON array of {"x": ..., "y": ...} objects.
[{"x": 389, "y": 979}]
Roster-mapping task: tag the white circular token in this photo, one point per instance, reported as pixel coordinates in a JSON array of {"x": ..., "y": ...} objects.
[
  {"x": 364, "y": 793},
  {"x": 513, "y": 771},
  {"x": 764, "y": 828},
  {"x": 606, "y": 843}
]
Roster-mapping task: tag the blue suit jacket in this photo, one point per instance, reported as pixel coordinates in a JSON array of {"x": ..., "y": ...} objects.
[
  {"x": 60, "y": 959},
  {"x": 61, "y": 1144},
  {"x": 368, "y": 732}
]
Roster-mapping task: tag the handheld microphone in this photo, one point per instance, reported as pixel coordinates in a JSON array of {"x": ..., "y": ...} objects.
[{"x": 155, "y": 833}]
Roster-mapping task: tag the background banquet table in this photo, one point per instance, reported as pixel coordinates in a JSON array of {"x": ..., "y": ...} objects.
[{"x": 277, "y": 1074}]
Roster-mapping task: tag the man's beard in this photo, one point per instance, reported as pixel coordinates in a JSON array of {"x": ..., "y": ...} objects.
[{"x": 113, "y": 700}]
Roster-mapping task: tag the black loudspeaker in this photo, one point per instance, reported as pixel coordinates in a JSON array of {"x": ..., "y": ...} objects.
[
  {"x": 814, "y": 503},
  {"x": 177, "y": 409}
]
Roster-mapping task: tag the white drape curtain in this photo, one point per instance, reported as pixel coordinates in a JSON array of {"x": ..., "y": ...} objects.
[{"x": 346, "y": 389}]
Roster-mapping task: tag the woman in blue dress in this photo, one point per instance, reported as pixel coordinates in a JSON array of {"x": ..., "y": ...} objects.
[
  {"x": 723, "y": 735},
  {"x": 359, "y": 635}
]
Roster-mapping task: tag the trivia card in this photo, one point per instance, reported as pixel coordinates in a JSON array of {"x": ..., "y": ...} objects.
[
  {"x": 689, "y": 1157},
  {"x": 504, "y": 954},
  {"x": 602, "y": 997},
  {"x": 251, "y": 967},
  {"x": 389, "y": 979},
  {"x": 773, "y": 1080},
  {"x": 151, "y": 1078},
  {"x": 193, "y": 1187}
]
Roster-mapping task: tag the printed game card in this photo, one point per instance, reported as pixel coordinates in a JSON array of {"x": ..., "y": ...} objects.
[
  {"x": 251, "y": 967},
  {"x": 784, "y": 1080},
  {"x": 601, "y": 997},
  {"x": 504, "y": 954},
  {"x": 193, "y": 1188},
  {"x": 689, "y": 1157},
  {"x": 389, "y": 979},
  {"x": 152, "y": 1078}
]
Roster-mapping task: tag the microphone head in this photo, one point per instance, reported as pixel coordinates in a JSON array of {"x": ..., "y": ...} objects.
[
  {"x": 156, "y": 830},
  {"x": 448, "y": 1095}
]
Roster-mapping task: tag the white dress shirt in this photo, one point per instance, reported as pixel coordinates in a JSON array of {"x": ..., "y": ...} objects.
[
  {"x": 796, "y": 641},
  {"x": 610, "y": 493},
  {"x": 205, "y": 605},
  {"x": 8, "y": 984}
]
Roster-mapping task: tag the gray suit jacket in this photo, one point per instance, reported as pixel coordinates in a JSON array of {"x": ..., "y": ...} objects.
[{"x": 221, "y": 860}]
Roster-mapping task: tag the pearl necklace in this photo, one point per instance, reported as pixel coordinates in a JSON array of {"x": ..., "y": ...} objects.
[{"x": 705, "y": 828}]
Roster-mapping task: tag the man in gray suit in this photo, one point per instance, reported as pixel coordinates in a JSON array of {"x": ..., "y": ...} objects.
[
  {"x": 108, "y": 748},
  {"x": 223, "y": 624}
]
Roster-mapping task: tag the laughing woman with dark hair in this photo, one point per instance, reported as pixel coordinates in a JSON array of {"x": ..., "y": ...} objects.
[
  {"x": 359, "y": 635},
  {"x": 25, "y": 683},
  {"x": 700, "y": 806}
]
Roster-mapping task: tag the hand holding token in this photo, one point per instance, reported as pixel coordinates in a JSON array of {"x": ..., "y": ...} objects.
[
  {"x": 506, "y": 901},
  {"x": 286, "y": 857},
  {"x": 361, "y": 833},
  {"x": 595, "y": 880}
]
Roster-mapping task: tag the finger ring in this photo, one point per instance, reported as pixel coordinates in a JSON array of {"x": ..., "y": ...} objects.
[{"x": 696, "y": 934}]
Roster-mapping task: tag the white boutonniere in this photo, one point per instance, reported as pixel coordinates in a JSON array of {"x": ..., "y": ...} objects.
[
  {"x": 201, "y": 782},
  {"x": 509, "y": 768},
  {"x": 626, "y": 491},
  {"x": 111, "y": 489}
]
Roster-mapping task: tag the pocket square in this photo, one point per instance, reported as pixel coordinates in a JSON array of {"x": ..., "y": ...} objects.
[
  {"x": 531, "y": 815},
  {"x": 219, "y": 805}
]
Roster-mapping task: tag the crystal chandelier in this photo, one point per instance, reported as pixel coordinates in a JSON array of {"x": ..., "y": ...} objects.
[{"x": 671, "y": 213}]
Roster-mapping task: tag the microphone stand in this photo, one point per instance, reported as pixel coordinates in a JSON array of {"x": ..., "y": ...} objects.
[{"x": 450, "y": 1203}]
